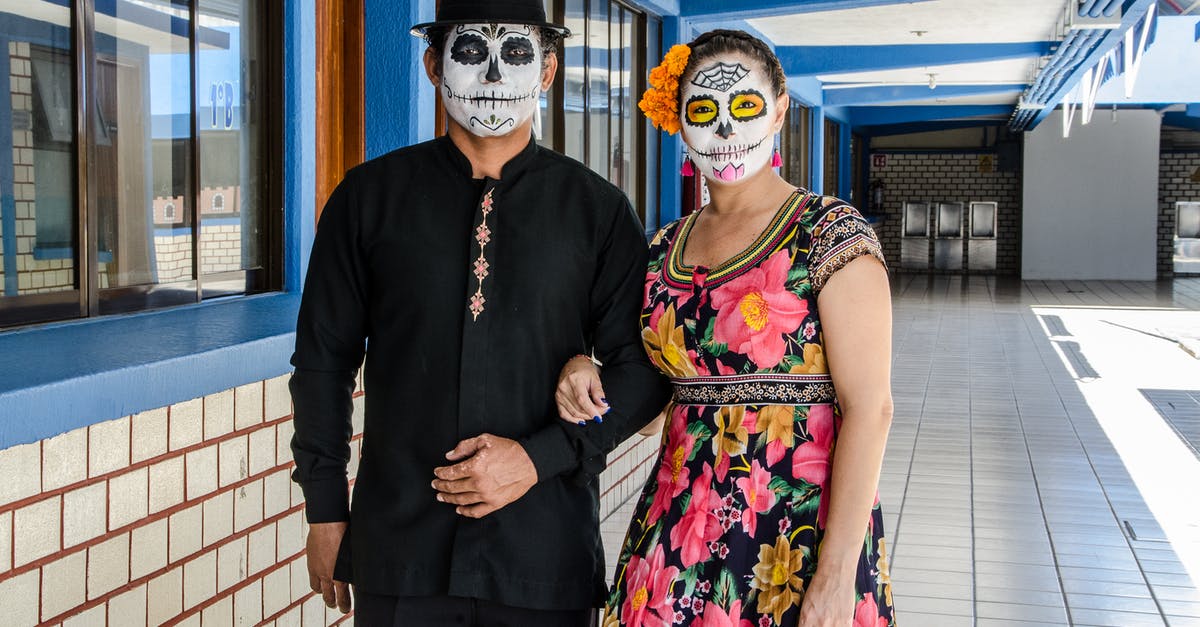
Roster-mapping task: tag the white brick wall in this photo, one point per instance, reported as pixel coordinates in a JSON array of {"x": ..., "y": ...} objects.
[
  {"x": 150, "y": 508},
  {"x": 179, "y": 516}
]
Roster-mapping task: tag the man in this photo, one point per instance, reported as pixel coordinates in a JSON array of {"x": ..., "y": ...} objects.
[{"x": 475, "y": 266}]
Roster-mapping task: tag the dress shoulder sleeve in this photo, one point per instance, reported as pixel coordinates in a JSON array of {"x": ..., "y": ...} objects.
[{"x": 839, "y": 235}]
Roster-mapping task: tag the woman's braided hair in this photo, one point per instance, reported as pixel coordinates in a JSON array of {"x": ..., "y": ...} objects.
[{"x": 724, "y": 41}]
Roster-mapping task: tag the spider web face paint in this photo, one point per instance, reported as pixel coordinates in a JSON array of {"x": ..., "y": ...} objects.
[
  {"x": 491, "y": 77},
  {"x": 720, "y": 77},
  {"x": 728, "y": 119}
]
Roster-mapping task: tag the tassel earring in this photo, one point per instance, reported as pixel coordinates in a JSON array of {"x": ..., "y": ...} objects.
[
  {"x": 776, "y": 160},
  {"x": 688, "y": 168}
]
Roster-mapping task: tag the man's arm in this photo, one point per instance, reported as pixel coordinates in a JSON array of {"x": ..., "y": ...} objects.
[
  {"x": 330, "y": 338},
  {"x": 636, "y": 391}
]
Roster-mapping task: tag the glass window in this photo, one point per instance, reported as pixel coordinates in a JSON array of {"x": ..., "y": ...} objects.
[
  {"x": 602, "y": 77},
  {"x": 796, "y": 145},
  {"x": 833, "y": 146},
  {"x": 162, "y": 199}
]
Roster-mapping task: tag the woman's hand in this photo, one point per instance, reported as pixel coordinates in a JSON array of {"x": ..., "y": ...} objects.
[
  {"x": 828, "y": 602},
  {"x": 579, "y": 395}
]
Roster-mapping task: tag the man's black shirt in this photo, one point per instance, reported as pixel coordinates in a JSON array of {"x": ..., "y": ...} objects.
[{"x": 471, "y": 295}]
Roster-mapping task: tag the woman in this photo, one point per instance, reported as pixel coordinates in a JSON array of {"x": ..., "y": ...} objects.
[{"x": 759, "y": 307}]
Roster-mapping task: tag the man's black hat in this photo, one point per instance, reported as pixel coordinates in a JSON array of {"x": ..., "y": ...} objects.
[{"x": 491, "y": 12}]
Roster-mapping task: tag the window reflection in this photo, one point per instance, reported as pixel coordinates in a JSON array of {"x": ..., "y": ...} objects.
[{"x": 37, "y": 220}]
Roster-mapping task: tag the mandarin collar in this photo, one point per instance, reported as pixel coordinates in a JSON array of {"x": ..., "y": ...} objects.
[{"x": 510, "y": 171}]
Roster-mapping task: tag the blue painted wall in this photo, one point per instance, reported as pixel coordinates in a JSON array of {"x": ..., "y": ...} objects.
[{"x": 399, "y": 98}]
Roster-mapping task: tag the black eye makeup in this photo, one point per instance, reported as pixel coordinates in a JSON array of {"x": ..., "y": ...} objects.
[
  {"x": 469, "y": 49},
  {"x": 516, "y": 51}
]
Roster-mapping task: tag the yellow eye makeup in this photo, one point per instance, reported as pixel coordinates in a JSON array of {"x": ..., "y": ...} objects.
[
  {"x": 747, "y": 105},
  {"x": 701, "y": 111}
]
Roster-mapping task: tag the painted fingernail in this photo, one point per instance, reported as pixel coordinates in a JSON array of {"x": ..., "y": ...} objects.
[
  {"x": 598, "y": 419},
  {"x": 583, "y": 423},
  {"x": 604, "y": 400}
]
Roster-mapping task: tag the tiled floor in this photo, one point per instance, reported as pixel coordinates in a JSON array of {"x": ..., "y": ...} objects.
[{"x": 1029, "y": 478}]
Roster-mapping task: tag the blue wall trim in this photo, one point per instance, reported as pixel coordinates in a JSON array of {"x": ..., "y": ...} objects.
[
  {"x": 398, "y": 98},
  {"x": 72, "y": 375},
  {"x": 712, "y": 9},
  {"x": 300, "y": 161},
  {"x": 810, "y": 60},
  {"x": 845, "y": 162},
  {"x": 671, "y": 150},
  {"x": 816, "y": 170}
]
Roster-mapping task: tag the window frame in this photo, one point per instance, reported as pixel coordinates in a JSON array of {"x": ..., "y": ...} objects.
[{"x": 88, "y": 299}]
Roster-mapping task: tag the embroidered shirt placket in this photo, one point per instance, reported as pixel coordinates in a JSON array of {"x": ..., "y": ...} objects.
[{"x": 483, "y": 235}]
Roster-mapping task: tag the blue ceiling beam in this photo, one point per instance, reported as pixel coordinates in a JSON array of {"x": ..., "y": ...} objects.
[
  {"x": 907, "y": 128},
  {"x": 810, "y": 60},
  {"x": 877, "y": 116},
  {"x": 1134, "y": 11},
  {"x": 882, "y": 94},
  {"x": 1181, "y": 120},
  {"x": 723, "y": 9}
]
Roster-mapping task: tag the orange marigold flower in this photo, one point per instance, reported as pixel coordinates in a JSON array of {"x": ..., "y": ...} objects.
[{"x": 660, "y": 103}]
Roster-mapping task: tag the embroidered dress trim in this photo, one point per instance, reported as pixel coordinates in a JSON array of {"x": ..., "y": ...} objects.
[
  {"x": 483, "y": 235},
  {"x": 755, "y": 389},
  {"x": 679, "y": 275},
  {"x": 840, "y": 237}
]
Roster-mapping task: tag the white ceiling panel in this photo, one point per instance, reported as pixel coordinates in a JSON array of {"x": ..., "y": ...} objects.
[
  {"x": 987, "y": 72},
  {"x": 994, "y": 99},
  {"x": 937, "y": 21}
]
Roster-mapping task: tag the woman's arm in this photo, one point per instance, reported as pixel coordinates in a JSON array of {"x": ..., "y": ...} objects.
[{"x": 856, "y": 320}]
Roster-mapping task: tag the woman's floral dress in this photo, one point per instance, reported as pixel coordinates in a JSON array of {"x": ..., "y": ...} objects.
[{"x": 727, "y": 530}]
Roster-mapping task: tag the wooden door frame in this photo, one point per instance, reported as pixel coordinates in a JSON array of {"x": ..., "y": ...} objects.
[{"x": 340, "y": 117}]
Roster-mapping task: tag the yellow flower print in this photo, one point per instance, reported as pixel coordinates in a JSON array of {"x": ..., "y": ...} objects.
[
  {"x": 814, "y": 361},
  {"x": 777, "y": 578},
  {"x": 885, "y": 577},
  {"x": 732, "y": 434},
  {"x": 666, "y": 346},
  {"x": 778, "y": 422},
  {"x": 610, "y": 619}
]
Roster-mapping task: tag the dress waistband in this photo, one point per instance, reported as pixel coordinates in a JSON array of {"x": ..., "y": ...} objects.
[{"x": 755, "y": 389}]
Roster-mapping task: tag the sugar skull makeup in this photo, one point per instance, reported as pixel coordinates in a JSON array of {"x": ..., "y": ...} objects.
[
  {"x": 726, "y": 125},
  {"x": 491, "y": 76}
]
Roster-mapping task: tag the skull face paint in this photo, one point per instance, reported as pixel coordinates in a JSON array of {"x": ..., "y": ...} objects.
[
  {"x": 491, "y": 76},
  {"x": 726, "y": 121}
]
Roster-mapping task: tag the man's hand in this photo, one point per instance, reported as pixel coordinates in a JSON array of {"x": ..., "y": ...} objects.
[
  {"x": 491, "y": 472},
  {"x": 324, "y": 539}
]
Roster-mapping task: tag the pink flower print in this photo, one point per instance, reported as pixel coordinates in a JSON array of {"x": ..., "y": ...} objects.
[
  {"x": 866, "y": 613},
  {"x": 755, "y": 311},
  {"x": 648, "y": 599},
  {"x": 697, "y": 605},
  {"x": 699, "y": 524},
  {"x": 764, "y": 621},
  {"x": 759, "y": 496},
  {"x": 811, "y": 461},
  {"x": 810, "y": 331},
  {"x": 716, "y": 616},
  {"x": 672, "y": 477}
]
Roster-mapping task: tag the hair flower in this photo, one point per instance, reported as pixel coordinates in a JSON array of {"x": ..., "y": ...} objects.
[{"x": 660, "y": 103}]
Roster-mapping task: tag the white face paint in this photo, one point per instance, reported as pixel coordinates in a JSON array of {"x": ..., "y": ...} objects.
[
  {"x": 491, "y": 76},
  {"x": 727, "y": 118}
]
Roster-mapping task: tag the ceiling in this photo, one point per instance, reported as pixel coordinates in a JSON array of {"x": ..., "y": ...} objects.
[{"x": 995, "y": 61}]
